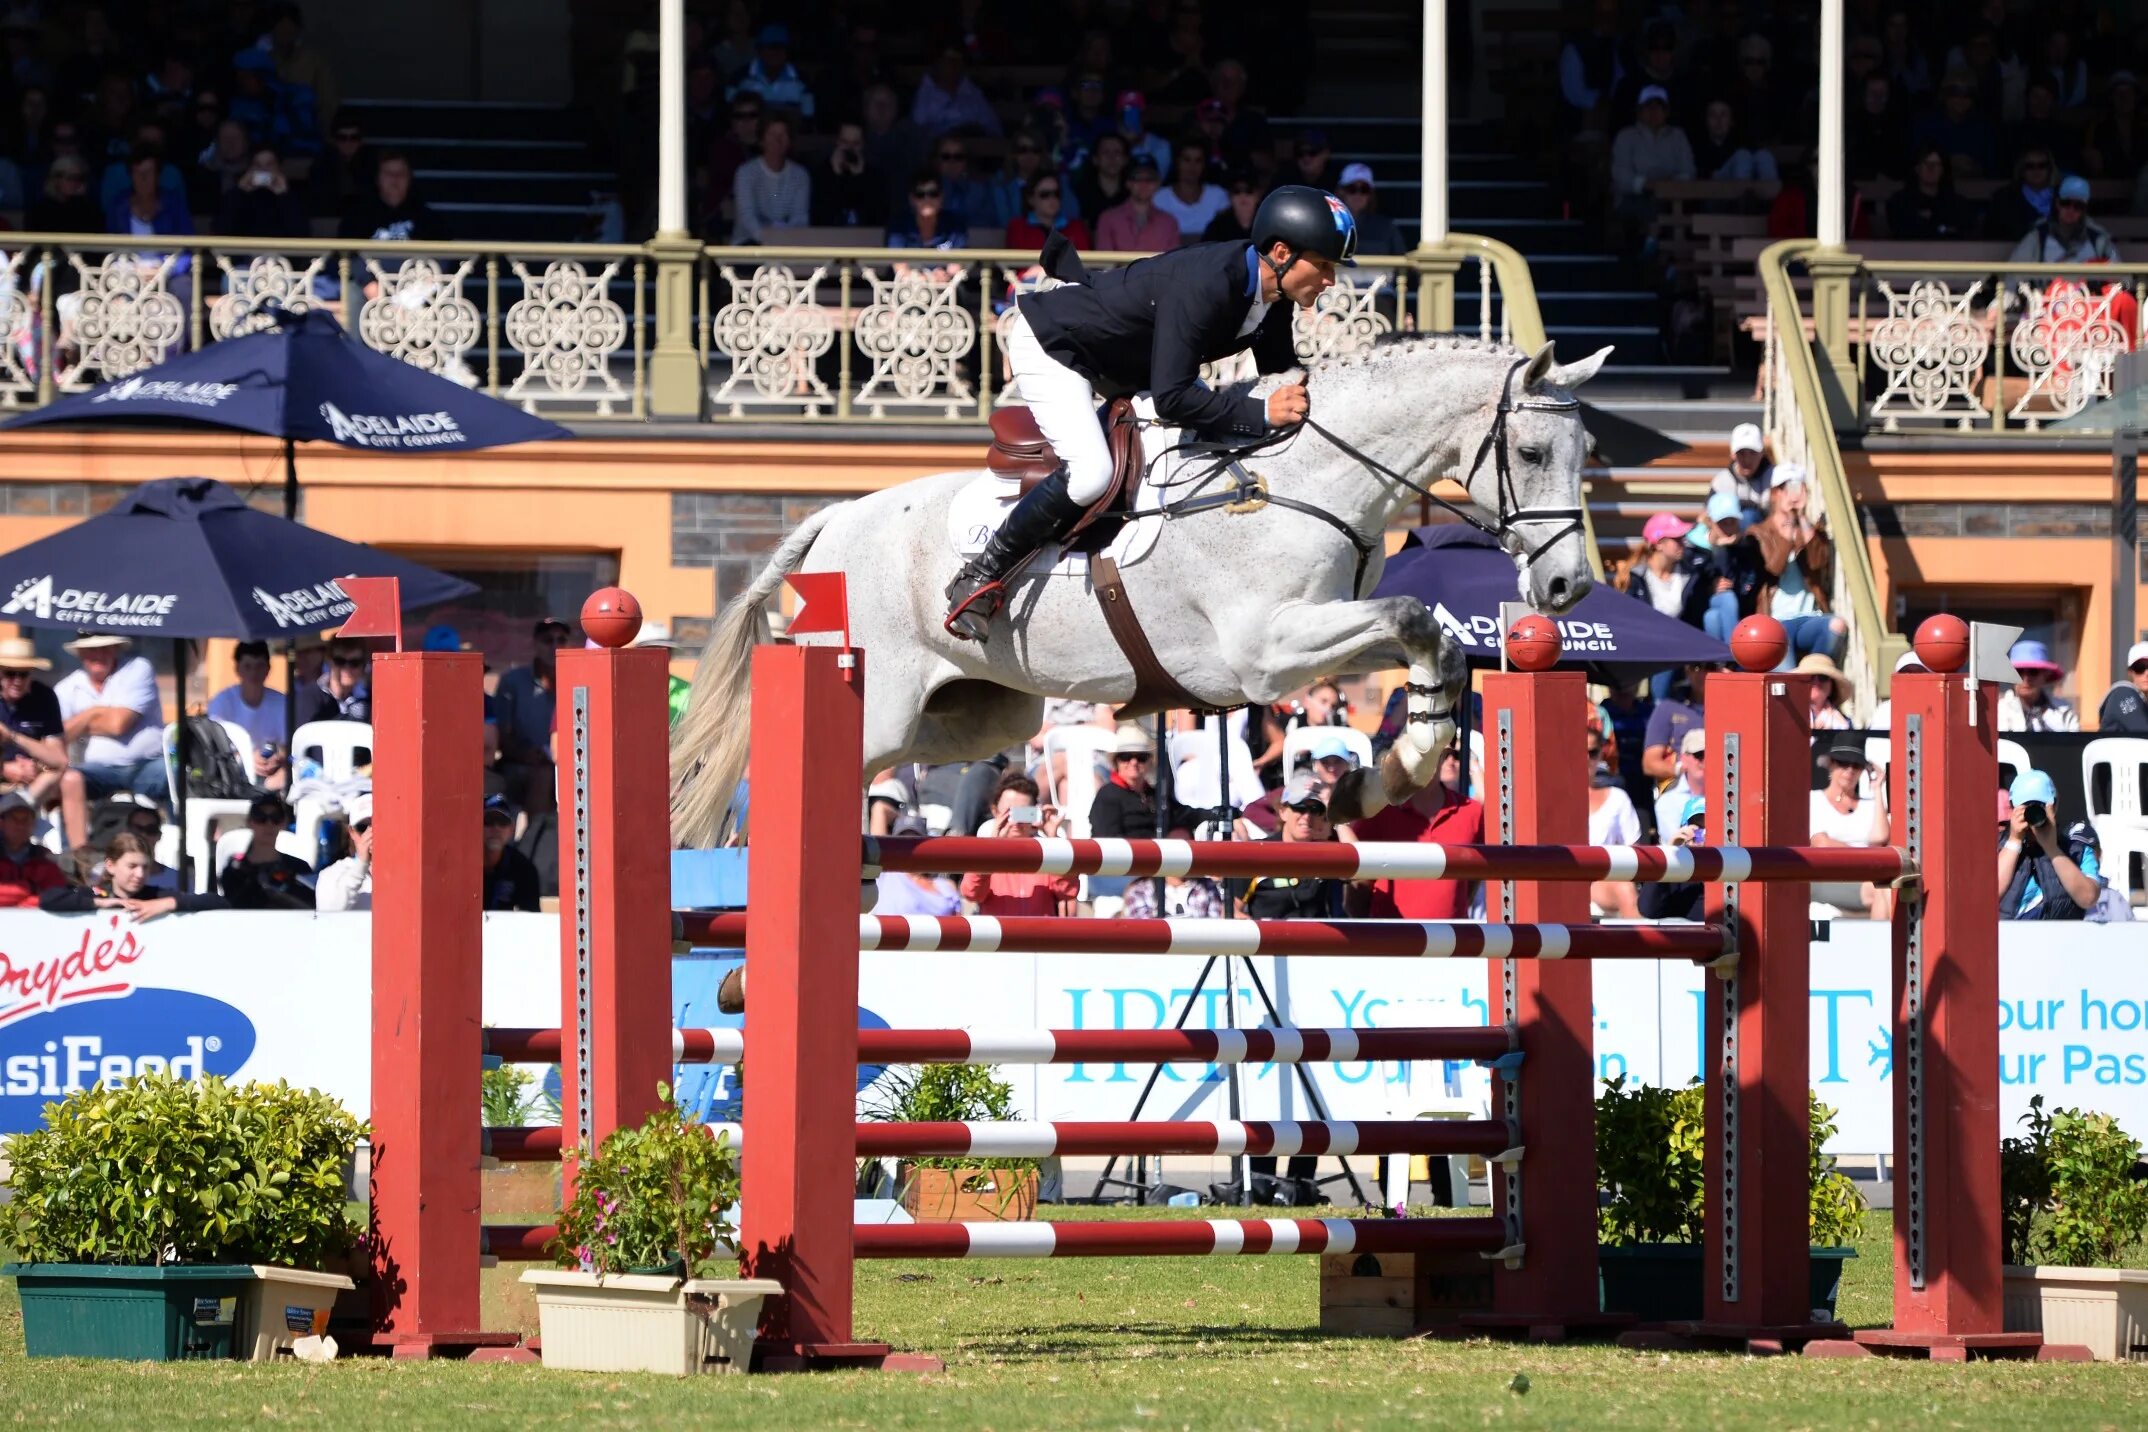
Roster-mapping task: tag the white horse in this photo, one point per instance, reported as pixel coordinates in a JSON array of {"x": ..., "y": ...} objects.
[{"x": 1239, "y": 605}]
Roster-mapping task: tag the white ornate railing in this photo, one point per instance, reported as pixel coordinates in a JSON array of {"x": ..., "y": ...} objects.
[{"x": 781, "y": 335}]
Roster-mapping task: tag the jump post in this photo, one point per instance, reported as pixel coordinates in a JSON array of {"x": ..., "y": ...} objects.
[{"x": 801, "y": 1133}]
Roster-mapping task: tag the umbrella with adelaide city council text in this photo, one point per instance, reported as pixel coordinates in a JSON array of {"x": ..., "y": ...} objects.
[
  {"x": 1463, "y": 576},
  {"x": 302, "y": 378},
  {"x": 186, "y": 557}
]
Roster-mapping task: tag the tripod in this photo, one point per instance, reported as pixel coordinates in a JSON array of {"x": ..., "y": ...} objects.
[{"x": 1223, "y": 815}]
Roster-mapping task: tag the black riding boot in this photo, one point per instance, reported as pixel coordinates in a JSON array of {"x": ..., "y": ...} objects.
[{"x": 1043, "y": 516}]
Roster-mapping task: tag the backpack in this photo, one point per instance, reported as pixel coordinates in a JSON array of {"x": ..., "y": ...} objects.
[{"x": 215, "y": 769}]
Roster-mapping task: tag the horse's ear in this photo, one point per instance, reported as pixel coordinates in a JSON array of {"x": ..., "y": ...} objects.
[
  {"x": 1539, "y": 369},
  {"x": 1573, "y": 375}
]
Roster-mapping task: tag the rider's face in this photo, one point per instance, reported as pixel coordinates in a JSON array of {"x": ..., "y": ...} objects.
[{"x": 1308, "y": 278}]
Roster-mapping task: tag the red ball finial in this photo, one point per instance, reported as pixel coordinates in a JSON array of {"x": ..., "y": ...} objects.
[
  {"x": 1759, "y": 643},
  {"x": 1533, "y": 644},
  {"x": 611, "y": 616},
  {"x": 1942, "y": 643}
]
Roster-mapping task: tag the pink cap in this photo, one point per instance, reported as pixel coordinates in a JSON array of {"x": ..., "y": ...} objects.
[{"x": 1663, "y": 525}]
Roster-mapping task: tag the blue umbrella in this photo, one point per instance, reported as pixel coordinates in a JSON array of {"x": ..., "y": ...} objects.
[
  {"x": 304, "y": 379},
  {"x": 1463, "y": 576},
  {"x": 187, "y": 557}
]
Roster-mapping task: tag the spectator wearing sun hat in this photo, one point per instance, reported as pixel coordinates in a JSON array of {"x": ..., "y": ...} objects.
[
  {"x": 2125, "y": 706},
  {"x": 1749, "y": 474},
  {"x": 2067, "y": 235},
  {"x": 1830, "y": 692},
  {"x": 33, "y": 734},
  {"x": 2031, "y": 704},
  {"x": 112, "y": 705}
]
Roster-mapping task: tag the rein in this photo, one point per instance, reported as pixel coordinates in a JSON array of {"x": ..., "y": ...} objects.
[{"x": 1228, "y": 458}]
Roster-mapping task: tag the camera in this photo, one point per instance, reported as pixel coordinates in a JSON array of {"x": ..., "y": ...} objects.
[
  {"x": 1025, "y": 815},
  {"x": 2035, "y": 814}
]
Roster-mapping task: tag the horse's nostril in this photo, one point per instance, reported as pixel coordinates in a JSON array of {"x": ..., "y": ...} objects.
[{"x": 1558, "y": 591}]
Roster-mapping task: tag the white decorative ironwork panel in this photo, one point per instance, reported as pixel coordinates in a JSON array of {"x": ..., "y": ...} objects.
[
  {"x": 2066, "y": 345},
  {"x": 917, "y": 331},
  {"x": 416, "y": 312},
  {"x": 18, "y": 331},
  {"x": 256, "y": 284},
  {"x": 1345, "y": 319},
  {"x": 567, "y": 329},
  {"x": 121, "y": 318},
  {"x": 1931, "y": 347},
  {"x": 775, "y": 333}
]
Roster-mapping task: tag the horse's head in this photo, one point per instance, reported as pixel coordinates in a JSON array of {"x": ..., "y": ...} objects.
[{"x": 1525, "y": 477}]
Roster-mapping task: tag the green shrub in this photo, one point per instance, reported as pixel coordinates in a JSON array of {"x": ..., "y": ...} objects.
[
  {"x": 2067, "y": 1194},
  {"x": 946, "y": 1093},
  {"x": 653, "y": 1197},
  {"x": 165, "y": 1170},
  {"x": 509, "y": 1096},
  {"x": 1651, "y": 1151},
  {"x": 1648, "y": 1154}
]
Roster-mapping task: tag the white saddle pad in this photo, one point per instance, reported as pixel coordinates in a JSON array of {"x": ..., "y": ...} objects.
[{"x": 982, "y": 504}]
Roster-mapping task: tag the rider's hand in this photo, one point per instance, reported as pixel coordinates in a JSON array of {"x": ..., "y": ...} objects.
[{"x": 1287, "y": 405}]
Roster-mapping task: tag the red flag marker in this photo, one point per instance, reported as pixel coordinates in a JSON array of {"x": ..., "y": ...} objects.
[
  {"x": 823, "y": 604},
  {"x": 376, "y": 608}
]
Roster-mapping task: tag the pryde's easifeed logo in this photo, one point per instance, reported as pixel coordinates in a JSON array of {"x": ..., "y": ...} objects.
[
  {"x": 392, "y": 430},
  {"x": 83, "y": 606},
  {"x": 164, "y": 390},
  {"x": 322, "y": 604},
  {"x": 72, "y": 1019}
]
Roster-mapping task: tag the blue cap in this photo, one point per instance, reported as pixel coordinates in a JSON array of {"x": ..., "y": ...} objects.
[
  {"x": 2032, "y": 786},
  {"x": 1329, "y": 743},
  {"x": 2074, "y": 187},
  {"x": 441, "y": 638},
  {"x": 1695, "y": 813},
  {"x": 499, "y": 807},
  {"x": 772, "y": 36},
  {"x": 1722, "y": 506}
]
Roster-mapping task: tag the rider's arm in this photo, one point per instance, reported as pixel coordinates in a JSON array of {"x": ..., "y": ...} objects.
[{"x": 1182, "y": 399}]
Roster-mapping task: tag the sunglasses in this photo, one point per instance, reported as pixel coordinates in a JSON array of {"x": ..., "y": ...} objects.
[
  {"x": 255, "y": 820},
  {"x": 1357, "y": 188},
  {"x": 1134, "y": 756},
  {"x": 1044, "y": 193},
  {"x": 925, "y": 193},
  {"x": 2071, "y": 204},
  {"x": 2139, "y": 668},
  {"x": 350, "y": 663},
  {"x": 361, "y": 827}
]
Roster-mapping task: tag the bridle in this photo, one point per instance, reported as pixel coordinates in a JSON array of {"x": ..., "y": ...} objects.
[{"x": 1511, "y": 515}]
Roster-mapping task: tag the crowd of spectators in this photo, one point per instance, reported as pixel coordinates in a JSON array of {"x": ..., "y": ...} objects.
[
  {"x": 189, "y": 118},
  {"x": 2021, "y": 106},
  {"x": 1151, "y": 137},
  {"x": 87, "y": 768}
]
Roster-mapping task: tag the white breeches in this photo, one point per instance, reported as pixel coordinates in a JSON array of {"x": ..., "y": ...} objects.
[{"x": 1065, "y": 408}]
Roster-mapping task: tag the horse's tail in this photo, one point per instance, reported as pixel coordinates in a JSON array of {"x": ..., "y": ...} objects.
[{"x": 708, "y": 747}]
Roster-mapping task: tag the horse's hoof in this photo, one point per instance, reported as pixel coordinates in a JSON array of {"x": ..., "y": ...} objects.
[{"x": 731, "y": 994}]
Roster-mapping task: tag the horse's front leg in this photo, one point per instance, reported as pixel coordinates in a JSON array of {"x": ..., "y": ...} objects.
[{"x": 1302, "y": 640}]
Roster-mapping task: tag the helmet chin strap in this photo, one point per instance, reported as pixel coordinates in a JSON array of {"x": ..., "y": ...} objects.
[{"x": 1279, "y": 269}]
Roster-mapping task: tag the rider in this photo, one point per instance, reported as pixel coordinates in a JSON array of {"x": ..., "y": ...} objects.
[{"x": 1150, "y": 326}]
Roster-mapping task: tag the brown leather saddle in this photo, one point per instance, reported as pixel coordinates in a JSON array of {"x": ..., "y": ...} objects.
[{"x": 1020, "y": 451}]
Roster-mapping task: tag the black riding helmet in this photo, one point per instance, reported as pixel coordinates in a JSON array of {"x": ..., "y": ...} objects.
[{"x": 1309, "y": 220}]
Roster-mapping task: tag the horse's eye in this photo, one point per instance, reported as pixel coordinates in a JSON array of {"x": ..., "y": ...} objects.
[{"x": 1532, "y": 455}]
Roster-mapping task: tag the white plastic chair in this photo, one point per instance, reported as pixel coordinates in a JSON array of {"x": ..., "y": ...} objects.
[
  {"x": 205, "y": 813},
  {"x": 1301, "y": 739},
  {"x": 1071, "y": 757},
  {"x": 335, "y": 744},
  {"x": 2121, "y": 820},
  {"x": 2013, "y": 760}
]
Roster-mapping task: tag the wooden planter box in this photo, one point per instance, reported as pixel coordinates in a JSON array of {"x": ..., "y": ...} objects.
[
  {"x": 1395, "y": 1294},
  {"x": 633, "y": 1322},
  {"x": 969, "y": 1195},
  {"x": 2102, "y": 1309}
]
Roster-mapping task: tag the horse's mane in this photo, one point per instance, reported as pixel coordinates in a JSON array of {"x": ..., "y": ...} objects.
[{"x": 1383, "y": 347}]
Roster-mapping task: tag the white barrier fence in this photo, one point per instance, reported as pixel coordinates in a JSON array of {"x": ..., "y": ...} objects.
[{"x": 284, "y": 996}]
